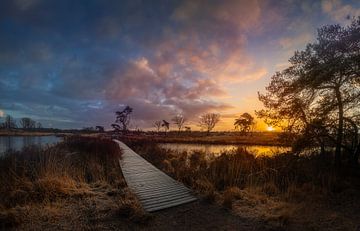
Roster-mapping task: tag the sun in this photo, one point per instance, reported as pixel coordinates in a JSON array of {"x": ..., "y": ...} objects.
[{"x": 270, "y": 129}]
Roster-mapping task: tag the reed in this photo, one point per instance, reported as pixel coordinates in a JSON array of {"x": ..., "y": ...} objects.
[
  {"x": 274, "y": 175},
  {"x": 77, "y": 168}
]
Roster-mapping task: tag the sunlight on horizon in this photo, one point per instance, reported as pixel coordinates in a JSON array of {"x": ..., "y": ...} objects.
[{"x": 270, "y": 129}]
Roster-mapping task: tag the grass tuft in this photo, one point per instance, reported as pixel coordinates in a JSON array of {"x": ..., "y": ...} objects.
[
  {"x": 130, "y": 207},
  {"x": 229, "y": 195}
]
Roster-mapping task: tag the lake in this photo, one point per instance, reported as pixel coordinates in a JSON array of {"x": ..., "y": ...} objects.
[
  {"x": 257, "y": 150},
  {"x": 18, "y": 142}
]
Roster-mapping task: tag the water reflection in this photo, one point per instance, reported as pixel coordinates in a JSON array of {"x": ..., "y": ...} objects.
[
  {"x": 18, "y": 142},
  {"x": 257, "y": 150}
]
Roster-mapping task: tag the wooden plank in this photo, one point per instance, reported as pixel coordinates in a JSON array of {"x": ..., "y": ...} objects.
[
  {"x": 166, "y": 197},
  {"x": 148, "y": 180},
  {"x": 151, "y": 181},
  {"x": 169, "y": 200},
  {"x": 161, "y": 193},
  {"x": 168, "y": 205},
  {"x": 144, "y": 188},
  {"x": 155, "y": 189}
]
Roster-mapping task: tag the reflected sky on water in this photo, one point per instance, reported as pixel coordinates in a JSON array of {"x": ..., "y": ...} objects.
[
  {"x": 257, "y": 150},
  {"x": 18, "y": 142}
]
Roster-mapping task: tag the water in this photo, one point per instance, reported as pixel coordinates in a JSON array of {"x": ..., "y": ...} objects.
[
  {"x": 216, "y": 149},
  {"x": 18, "y": 142}
]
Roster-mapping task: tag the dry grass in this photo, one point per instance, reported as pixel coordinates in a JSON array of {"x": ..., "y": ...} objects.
[
  {"x": 34, "y": 175},
  {"x": 130, "y": 207},
  {"x": 77, "y": 185},
  {"x": 230, "y": 195},
  {"x": 78, "y": 169},
  {"x": 273, "y": 189},
  {"x": 239, "y": 168}
]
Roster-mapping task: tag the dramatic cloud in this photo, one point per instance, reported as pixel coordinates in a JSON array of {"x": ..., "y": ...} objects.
[{"x": 73, "y": 63}]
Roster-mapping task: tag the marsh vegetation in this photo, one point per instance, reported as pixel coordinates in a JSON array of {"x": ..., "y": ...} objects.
[
  {"x": 67, "y": 186},
  {"x": 276, "y": 189}
]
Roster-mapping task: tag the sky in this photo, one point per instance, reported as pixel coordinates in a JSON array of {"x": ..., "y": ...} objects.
[{"x": 72, "y": 64}]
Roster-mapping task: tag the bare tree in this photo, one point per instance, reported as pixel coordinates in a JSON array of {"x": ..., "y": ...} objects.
[
  {"x": 88, "y": 129},
  {"x": 100, "y": 128},
  {"x": 27, "y": 123},
  {"x": 166, "y": 125},
  {"x": 9, "y": 122},
  {"x": 123, "y": 119},
  {"x": 157, "y": 125},
  {"x": 208, "y": 121},
  {"x": 39, "y": 125},
  {"x": 179, "y": 120}
]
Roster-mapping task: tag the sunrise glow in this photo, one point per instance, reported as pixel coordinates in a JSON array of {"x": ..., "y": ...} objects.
[
  {"x": 270, "y": 129},
  {"x": 189, "y": 58}
]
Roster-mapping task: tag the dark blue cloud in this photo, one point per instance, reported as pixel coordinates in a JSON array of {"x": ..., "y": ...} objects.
[
  {"x": 73, "y": 63},
  {"x": 58, "y": 58}
]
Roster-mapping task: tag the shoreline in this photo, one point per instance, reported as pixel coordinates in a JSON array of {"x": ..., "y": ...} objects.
[
  {"x": 262, "y": 139},
  {"x": 228, "y": 138}
]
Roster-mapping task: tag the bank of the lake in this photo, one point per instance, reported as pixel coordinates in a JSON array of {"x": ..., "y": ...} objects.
[{"x": 223, "y": 138}]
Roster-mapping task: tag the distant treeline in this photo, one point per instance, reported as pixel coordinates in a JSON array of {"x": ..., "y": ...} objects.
[
  {"x": 28, "y": 124},
  {"x": 25, "y": 123}
]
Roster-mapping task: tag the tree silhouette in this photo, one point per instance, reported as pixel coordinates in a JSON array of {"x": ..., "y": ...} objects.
[
  {"x": 166, "y": 125},
  {"x": 157, "y": 125},
  {"x": 39, "y": 125},
  {"x": 318, "y": 95},
  {"x": 100, "y": 128},
  {"x": 122, "y": 119},
  {"x": 244, "y": 123},
  {"x": 116, "y": 127},
  {"x": 208, "y": 121},
  {"x": 187, "y": 129},
  {"x": 27, "y": 123},
  {"x": 179, "y": 120},
  {"x": 9, "y": 122}
]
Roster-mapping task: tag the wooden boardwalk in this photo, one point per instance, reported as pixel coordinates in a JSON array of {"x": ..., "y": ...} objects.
[{"x": 154, "y": 188}]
